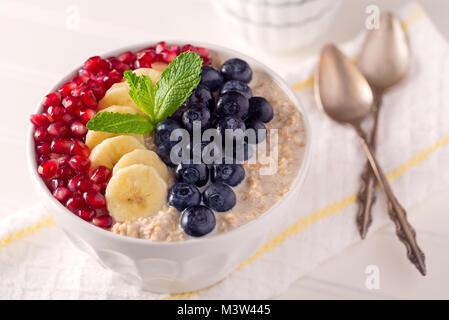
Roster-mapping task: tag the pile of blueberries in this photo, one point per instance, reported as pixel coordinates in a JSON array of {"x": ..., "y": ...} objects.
[{"x": 223, "y": 100}]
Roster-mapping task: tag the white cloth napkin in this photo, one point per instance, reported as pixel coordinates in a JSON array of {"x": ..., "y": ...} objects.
[{"x": 37, "y": 260}]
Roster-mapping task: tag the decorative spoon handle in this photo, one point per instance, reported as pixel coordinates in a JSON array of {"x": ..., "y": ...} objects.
[
  {"x": 404, "y": 230},
  {"x": 366, "y": 195}
]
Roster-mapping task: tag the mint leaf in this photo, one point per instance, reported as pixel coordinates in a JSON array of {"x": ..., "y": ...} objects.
[
  {"x": 176, "y": 84},
  {"x": 120, "y": 123},
  {"x": 141, "y": 91}
]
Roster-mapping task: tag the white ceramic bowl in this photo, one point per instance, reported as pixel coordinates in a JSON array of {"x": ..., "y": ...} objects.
[
  {"x": 171, "y": 267},
  {"x": 277, "y": 25}
]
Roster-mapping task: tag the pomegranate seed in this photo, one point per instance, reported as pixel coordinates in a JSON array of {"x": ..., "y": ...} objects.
[
  {"x": 95, "y": 187},
  {"x": 78, "y": 148},
  {"x": 48, "y": 169},
  {"x": 78, "y": 90},
  {"x": 56, "y": 112},
  {"x": 51, "y": 99},
  {"x": 72, "y": 184},
  {"x": 62, "y": 161},
  {"x": 113, "y": 77},
  {"x": 94, "y": 199},
  {"x": 79, "y": 164},
  {"x": 102, "y": 221},
  {"x": 86, "y": 114},
  {"x": 68, "y": 118},
  {"x": 64, "y": 172},
  {"x": 57, "y": 129},
  {"x": 88, "y": 97},
  {"x": 101, "y": 212},
  {"x": 61, "y": 146},
  {"x": 75, "y": 202},
  {"x": 120, "y": 66},
  {"x": 161, "y": 46},
  {"x": 86, "y": 214},
  {"x": 86, "y": 74},
  {"x": 78, "y": 129},
  {"x": 67, "y": 88},
  {"x": 61, "y": 194},
  {"x": 43, "y": 148},
  {"x": 84, "y": 185},
  {"x": 146, "y": 58},
  {"x": 43, "y": 158},
  {"x": 95, "y": 64},
  {"x": 97, "y": 88},
  {"x": 101, "y": 174},
  {"x": 169, "y": 56},
  {"x": 56, "y": 183},
  {"x": 80, "y": 80},
  {"x": 127, "y": 57},
  {"x": 72, "y": 104},
  {"x": 41, "y": 134},
  {"x": 40, "y": 120}
]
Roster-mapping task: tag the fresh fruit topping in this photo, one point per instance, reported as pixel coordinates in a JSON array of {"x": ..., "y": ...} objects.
[
  {"x": 183, "y": 195},
  {"x": 61, "y": 146},
  {"x": 61, "y": 194},
  {"x": 238, "y": 86},
  {"x": 55, "y": 112},
  {"x": 197, "y": 221},
  {"x": 260, "y": 109},
  {"x": 260, "y": 131},
  {"x": 51, "y": 99},
  {"x": 196, "y": 113},
  {"x": 86, "y": 214},
  {"x": 96, "y": 64},
  {"x": 41, "y": 134},
  {"x": 40, "y": 120},
  {"x": 78, "y": 129},
  {"x": 101, "y": 175},
  {"x": 197, "y": 174},
  {"x": 75, "y": 202},
  {"x": 163, "y": 131},
  {"x": 58, "y": 129},
  {"x": 202, "y": 95},
  {"x": 104, "y": 222},
  {"x": 145, "y": 157},
  {"x": 232, "y": 103},
  {"x": 237, "y": 69},
  {"x": 219, "y": 197},
  {"x": 79, "y": 164},
  {"x": 231, "y": 127},
  {"x": 135, "y": 191},
  {"x": 48, "y": 169},
  {"x": 94, "y": 199},
  {"x": 231, "y": 174},
  {"x": 109, "y": 152},
  {"x": 72, "y": 104},
  {"x": 79, "y": 148},
  {"x": 211, "y": 78}
]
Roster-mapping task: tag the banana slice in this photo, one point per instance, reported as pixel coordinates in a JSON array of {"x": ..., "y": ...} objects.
[
  {"x": 94, "y": 138},
  {"x": 109, "y": 152},
  {"x": 159, "y": 66},
  {"x": 146, "y": 157},
  {"x": 118, "y": 93},
  {"x": 134, "y": 192},
  {"x": 150, "y": 72}
]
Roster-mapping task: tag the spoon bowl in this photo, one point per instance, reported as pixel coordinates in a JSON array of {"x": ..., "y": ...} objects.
[{"x": 341, "y": 90}]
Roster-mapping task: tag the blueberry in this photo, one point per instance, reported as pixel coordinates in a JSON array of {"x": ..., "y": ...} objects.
[
  {"x": 219, "y": 197},
  {"x": 233, "y": 123},
  {"x": 197, "y": 174},
  {"x": 164, "y": 151},
  {"x": 183, "y": 195},
  {"x": 238, "y": 86},
  {"x": 202, "y": 95},
  {"x": 197, "y": 112},
  {"x": 205, "y": 151},
  {"x": 242, "y": 152},
  {"x": 177, "y": 115},
  {"x": 260, "y": 131},
  {"x": 231, "y": 174},
  {"x": 260, "y": 109},
  {"x": 197, "y": 221},
  {"x": 232, "y": 103},
  {"x": 211, "y": 78},
  {"x": 163, "y": 131},
  {"x": 237, "y": 69}
]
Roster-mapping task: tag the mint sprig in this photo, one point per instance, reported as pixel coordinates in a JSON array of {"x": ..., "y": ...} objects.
[{"x": 174, "y": 86}]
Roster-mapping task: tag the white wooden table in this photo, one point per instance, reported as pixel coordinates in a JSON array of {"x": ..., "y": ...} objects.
[{"x": 43, "y": 39}]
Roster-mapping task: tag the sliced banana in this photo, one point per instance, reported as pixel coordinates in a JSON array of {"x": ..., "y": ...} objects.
[
  {"x": 134, "y": 192},
  {"x": 159, "y": 66},
  {"x": 93, "y": 138},
  {"x": 146, "y": 157},
  {"x": 109, "y": 152},
  {"x": 118, "y": 93}
]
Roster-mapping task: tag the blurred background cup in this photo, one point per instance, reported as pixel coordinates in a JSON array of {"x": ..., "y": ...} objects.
[{"x": 277, "y": 25}]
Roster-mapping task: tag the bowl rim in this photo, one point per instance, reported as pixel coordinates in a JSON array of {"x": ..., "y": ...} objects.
[{"x": 296, "y": 184}]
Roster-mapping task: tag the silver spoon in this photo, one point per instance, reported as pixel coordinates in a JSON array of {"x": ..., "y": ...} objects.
[
  {"x": 384, "y": 61},
  {"x": 343, "y": 93}
]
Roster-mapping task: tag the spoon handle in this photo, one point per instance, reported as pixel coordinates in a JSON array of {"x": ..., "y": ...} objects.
[
  {"x": 366, "y": 195},
  {"x": 404, "y": 230}
]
